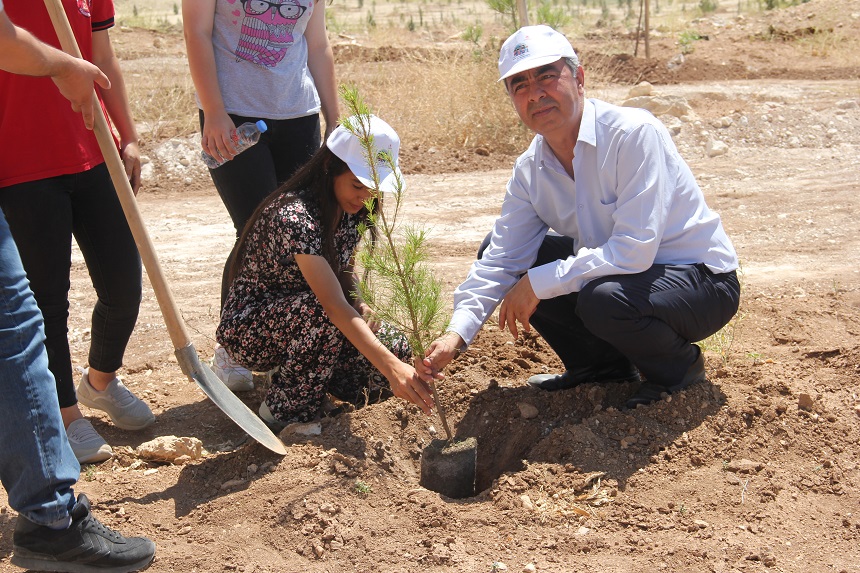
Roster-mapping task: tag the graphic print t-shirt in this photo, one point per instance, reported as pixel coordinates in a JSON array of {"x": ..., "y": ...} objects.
[{"x": 262, "y": 58}]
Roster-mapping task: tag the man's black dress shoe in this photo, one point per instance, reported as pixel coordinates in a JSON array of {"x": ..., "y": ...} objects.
[
  {"x": 613, "y": 372},
  {"x": 649, "y": 392}
]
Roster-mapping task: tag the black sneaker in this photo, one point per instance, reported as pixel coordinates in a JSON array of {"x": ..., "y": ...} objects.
[{"x": 86, "y": 546}]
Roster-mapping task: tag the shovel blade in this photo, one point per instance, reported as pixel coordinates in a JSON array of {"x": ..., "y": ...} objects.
[{"x": 222, "y": 397}]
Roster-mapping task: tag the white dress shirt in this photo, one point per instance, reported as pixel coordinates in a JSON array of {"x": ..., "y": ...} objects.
[{"x": 633, "y": 203}]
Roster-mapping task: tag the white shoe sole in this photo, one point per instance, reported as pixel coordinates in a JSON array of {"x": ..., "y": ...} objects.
[{"x": 101, "y": 455}]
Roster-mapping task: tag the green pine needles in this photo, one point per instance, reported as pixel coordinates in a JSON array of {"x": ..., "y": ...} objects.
[
  {"x": 396, "y": 284},
  {"x": 398, "y": 288}
]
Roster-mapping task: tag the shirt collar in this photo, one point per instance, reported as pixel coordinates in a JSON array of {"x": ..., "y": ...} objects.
[
  {"x": 588, "y": 125},
  {"x": 587, "y": 135}
]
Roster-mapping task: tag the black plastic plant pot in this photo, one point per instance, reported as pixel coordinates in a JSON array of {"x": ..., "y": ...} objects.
[{"x": 449, "y": 468}]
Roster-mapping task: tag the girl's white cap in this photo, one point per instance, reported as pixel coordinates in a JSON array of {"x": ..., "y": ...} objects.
[{"x": 348, "y": 148}]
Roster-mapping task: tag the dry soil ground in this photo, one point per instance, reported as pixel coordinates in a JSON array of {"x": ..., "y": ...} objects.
[{"x": 758, "y": 469}]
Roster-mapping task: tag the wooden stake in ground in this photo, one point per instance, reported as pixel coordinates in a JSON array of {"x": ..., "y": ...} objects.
[
  {"x": 523, "y": 11},
  {"x": 647, "y": 29}
]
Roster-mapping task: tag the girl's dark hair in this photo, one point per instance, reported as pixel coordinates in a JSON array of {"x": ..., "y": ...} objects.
[{"x": 314, "y": 183}]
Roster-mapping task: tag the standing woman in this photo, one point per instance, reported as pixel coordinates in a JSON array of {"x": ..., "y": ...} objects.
[
  {"x": 252, "y": 60},
  {"x": 293, "y": 302},
  {"x": 54, "y": 184}
]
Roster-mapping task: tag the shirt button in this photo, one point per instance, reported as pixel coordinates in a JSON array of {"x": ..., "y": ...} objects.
[{"x": 580, "y": 206}]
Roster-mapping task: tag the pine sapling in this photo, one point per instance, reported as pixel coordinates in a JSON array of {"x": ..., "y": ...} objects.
[{"x": 397, "y": 285}]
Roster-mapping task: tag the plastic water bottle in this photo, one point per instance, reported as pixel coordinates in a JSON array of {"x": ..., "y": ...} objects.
[{"x": 247, "y": 135}]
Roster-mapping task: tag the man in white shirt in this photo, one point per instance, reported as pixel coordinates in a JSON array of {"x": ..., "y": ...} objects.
[{"x": 604, "y": 244}]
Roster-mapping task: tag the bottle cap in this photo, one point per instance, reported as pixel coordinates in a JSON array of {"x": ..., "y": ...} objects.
[{"x": 261, "y": 125}]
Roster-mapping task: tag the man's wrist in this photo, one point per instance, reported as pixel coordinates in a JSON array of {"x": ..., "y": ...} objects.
[{"x": 458, "y": 344}]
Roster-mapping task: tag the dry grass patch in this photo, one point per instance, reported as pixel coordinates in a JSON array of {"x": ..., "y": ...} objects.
[
  {"x": 162, "y": 103},
  {"x": 448, "y": 98}
]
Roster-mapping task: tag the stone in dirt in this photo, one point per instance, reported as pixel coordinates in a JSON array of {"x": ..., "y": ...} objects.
[
  {"x": 170, "y": 449},
  {"x": 805, "y": 402},
  {"x": 527, "y": 411},
  {"x": 313, "y": 428}
]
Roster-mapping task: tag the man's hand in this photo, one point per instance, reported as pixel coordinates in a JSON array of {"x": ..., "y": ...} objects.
[
  {"x": 518, "y": 306},
  {"x": 440, "y": 352}
]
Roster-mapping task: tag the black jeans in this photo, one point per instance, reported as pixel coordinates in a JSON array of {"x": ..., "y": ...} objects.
[
  {"x": 43, "y": 215},
  {"x": 254, "y": 174},
  {"x": 650, "y": 318}
]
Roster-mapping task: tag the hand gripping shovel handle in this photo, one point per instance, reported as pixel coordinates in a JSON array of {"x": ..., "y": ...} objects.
[{"x": 187, "y": 356}]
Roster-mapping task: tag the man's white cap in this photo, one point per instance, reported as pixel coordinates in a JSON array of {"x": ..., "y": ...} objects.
[
  {"x": 348, "y": 148},
  {"x": 532, "y": 47}
]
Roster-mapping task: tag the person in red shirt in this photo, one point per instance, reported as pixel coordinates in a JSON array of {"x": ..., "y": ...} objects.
[
  {"x": 54, "y": 184},
  {"x": 55, "y": 530}
]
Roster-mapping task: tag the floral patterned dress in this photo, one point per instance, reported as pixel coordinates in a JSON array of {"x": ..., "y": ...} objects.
[{"x": 272, "y": 318}]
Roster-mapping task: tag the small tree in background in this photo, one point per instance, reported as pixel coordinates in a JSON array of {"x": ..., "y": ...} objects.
[
  {"x": 553, "y": 16},
  {"x": 516, "y": 10},
  {"x": 397, "y": 285},
  {"x": 507, "y": 8}
]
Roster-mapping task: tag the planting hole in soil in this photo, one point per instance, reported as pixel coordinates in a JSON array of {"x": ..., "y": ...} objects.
[{"x": 449, "y": 467}]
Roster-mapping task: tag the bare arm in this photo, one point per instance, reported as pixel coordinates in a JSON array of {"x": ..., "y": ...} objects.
[
  {"x": 348, "y": 281},
  {"x": 349, "y": 286},
  {"x": 402, "y": 377},
  {"x": 22, "y": 53},
  {"x": 116, "y": 103},
  {"x": 321, "y": 65},
  {"x": 198, "y": 19}
]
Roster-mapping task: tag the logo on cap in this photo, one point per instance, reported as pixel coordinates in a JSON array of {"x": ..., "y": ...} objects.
[{"x": 521, "y": 51}]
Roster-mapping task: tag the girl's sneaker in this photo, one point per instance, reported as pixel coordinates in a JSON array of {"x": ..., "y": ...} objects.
[
  {"x": 269, "y": 419},
  {"x": 126, "y": 410},
  {"x": 89, "y": 447},
  {"x": 235, "y": 376}
]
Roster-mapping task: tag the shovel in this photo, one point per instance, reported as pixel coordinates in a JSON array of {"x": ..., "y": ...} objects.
[{"x": 185, "y": 352}]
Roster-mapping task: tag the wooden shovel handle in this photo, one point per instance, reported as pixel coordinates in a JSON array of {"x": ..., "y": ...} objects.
[{"x": 175, "y": 325}]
